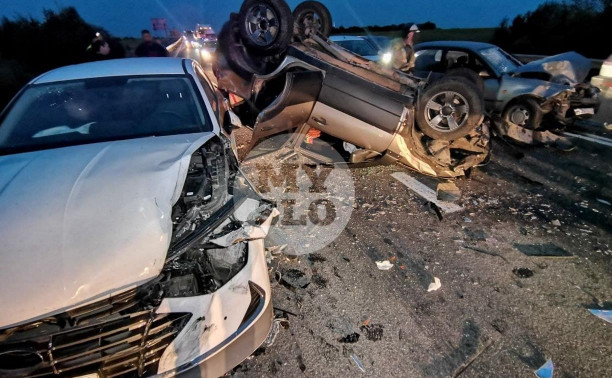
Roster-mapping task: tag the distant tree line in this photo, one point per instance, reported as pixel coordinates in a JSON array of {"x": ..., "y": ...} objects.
[
  {"x": 554, "y": 27},
  {"x": 377, "y": 28},
  {"x": 29, "y": 47}
]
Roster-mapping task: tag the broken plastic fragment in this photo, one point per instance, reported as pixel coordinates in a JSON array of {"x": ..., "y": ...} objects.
[
  {"x": 546, "y": 371},
  {"x": 602, "y": 314},
  {"x": 556, "y": 223},
  {"x": 604, "y": 202},
  {"x": 384, "y": 265},
  {"x": 357, "y": 362},
  {"x": 434, "y": 285}
]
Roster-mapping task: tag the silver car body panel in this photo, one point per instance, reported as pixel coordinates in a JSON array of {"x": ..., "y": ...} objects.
[
  {"x": 569, "y": 68},
  {"x": 79, "y": 223}
]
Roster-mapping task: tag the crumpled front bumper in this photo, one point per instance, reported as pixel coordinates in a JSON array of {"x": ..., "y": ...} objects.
[{"x": 227, "y": 325}]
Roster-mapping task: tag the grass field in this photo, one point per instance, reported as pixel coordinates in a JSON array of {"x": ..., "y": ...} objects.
[{"x": 479, "y": 34}]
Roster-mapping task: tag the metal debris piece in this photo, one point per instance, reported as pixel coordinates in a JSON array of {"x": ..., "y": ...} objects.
[
  {"x": 357, "y": 362},
  {"x": 604, "y": 202},
  {"x": 384, "y": 265},
  {"x": 296, "y": 279},
  {"x": 448, "y": 191},
  {"x": 351, "y": 338},
  {"x": 484, "y": 251},
  {"x": 556, "y": 223},
  {"x": 546, "y": 371},
  {"x": 602, "y": 314},
  {"x": 475, "y": 234},
  {"x": 522, "y": 272},
  {"x": 542, "y": 250},
  {"x": 434, "y": 286}
]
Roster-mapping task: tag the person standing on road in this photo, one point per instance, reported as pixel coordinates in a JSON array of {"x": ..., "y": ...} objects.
[
  {"x": 149, "y": 47},
  {"x": 403, "y": 50}
]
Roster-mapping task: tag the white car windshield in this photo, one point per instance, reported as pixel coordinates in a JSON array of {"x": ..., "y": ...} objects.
[
  {"x": 500, "y": 60},
  {"x": 101, "y": 109}
]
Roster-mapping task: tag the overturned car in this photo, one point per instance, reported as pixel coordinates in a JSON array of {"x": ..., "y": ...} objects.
[
  {"x": 294, "y": 78},
  {"x": 131, "y": 244}
]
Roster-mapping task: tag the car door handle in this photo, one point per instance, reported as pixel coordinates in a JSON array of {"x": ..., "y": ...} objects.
[{"x": 320, "y": 121}]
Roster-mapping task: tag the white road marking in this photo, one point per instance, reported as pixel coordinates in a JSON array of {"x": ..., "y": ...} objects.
[
  {"x": 426, "y": 192},
  {"x": 591, "y": 138}
]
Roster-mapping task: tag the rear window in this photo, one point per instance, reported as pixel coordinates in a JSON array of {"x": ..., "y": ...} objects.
[{"x": 101, "y": 109}]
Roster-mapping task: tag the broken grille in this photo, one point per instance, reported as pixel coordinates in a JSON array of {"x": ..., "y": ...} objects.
[{"x": 106, "y": 341}]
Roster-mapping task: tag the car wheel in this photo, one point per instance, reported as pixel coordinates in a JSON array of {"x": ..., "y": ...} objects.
[
  {"x": 312, "y": 17},
  {"x": 467, "y": 74},
  {"x": 266, "y": 25},
  {"x": 449, "y": 108},
  {"x": 236, "y": 54},
  {"x": 525, "y": 113}
]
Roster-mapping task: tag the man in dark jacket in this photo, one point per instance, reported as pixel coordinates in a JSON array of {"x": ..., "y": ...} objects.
[{"x": 149, "y": 47}]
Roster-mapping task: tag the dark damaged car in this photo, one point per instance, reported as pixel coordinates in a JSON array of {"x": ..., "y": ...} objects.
[
  {"x": 131, "y": 244},
  {"x": 295, "y": 80},
  {"x": 550, "y": 92}
]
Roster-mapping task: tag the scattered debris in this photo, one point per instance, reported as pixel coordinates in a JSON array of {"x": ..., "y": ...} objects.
[
  {"x": 426, "y": 192},
  {"x": 467, "y": 220},
  {"x": 350, "y": 338},
  {"x": 604, "y": 202},
  {"x": 522, "y": 272},
  {"x": 556, "y": 223},
  {"x": 384, "y": 265},
  {"x": 546, "y": 371},
  {"x": 499, "y": 325},
  {"x": 374, "y": 332},
  {"x": 448, "y": 191},
  {"x": 274, "y": 330},
  {"x": 316, "y": 258},
  {"x": 434, "y": 286},
  {"x": 602, "y": 314},
  {"x": 435, "y": 209},
  {"x": 475, "y": 235},
  {"x": 484, "y": 251},
  {"x": 357, "y": 362},
  {"x": 542, "y": 250},
  {"x": 293, "y": 278}
]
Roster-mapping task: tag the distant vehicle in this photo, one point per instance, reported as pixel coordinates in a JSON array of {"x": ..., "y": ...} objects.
[
  {"x": 358, "y": 45},
  {"x": 523, "y": 94},
  {"x": 202, "y": 50},
  {"x": 206, "y": 33},
  {"x": 120, "y": 191}
]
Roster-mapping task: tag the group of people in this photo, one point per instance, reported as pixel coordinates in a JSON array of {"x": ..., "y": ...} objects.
[{"x": 100, "y": 49}]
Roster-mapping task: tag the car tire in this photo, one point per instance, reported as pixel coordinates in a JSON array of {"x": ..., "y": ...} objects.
[
  {"x": 524, "y": 112},
  {"x": 266, "y": 26},
  {"x": 449, "y": 108},
  {"x": 236, "y": 54},
  {"x": 311, "y": 15},
  {"x": 468, "y": 74}
]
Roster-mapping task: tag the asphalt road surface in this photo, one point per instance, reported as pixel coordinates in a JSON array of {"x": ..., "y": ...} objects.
[{"x": 497, "y": 313}]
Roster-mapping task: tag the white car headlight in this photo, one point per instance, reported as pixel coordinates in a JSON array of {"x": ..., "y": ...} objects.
[
  {"x": 206, "y": 55},
  {"x": 386, "y": 57}
]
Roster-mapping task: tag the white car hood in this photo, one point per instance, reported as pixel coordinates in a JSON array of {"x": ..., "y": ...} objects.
[
  {"x": 567, "y": 68},
  {"x": 80, "y": 223}
]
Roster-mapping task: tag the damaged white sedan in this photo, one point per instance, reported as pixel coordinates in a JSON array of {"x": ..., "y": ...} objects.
[{"x": 131, "y": 243}]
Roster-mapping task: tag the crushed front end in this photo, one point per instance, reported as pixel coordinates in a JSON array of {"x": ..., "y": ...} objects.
[{"x": 208, "y": 309}]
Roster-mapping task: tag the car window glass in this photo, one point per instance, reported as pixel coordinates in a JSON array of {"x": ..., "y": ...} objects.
[
  {"x": 499, "y": 60},
  {"x": 457, "y": 59},
  {"x": 94, "y": 110},
  {"x": 428, "y": 60}
]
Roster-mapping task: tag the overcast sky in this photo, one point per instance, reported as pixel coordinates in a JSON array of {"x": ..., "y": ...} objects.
[{"x": 128, "y": 17}]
